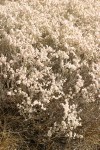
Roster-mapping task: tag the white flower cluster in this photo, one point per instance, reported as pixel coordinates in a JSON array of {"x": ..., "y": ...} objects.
[{"x": 49, "y": 51}]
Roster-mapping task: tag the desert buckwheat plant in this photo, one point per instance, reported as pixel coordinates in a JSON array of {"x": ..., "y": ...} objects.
[{"x": 49, "y": 74}]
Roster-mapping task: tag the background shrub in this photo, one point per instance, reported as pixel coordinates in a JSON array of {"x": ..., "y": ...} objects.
[{"x": 49, "y": 75}]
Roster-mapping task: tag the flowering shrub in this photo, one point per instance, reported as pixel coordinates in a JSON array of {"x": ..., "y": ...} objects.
[{"x": 50, "y": 66}]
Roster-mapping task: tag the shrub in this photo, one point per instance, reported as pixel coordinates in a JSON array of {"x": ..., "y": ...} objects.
[{"x": 50, "y": 72}]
